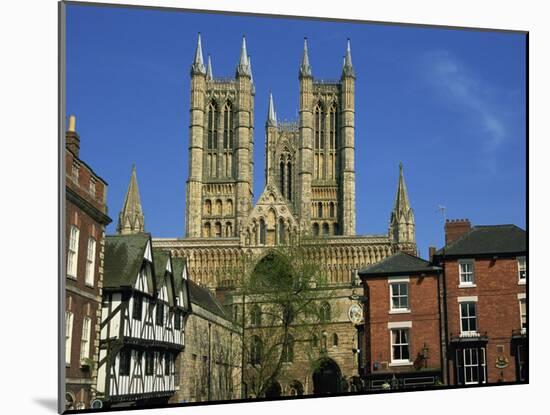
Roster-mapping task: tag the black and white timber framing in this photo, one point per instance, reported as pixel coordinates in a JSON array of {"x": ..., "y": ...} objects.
[{"x": 144, "y": 311}]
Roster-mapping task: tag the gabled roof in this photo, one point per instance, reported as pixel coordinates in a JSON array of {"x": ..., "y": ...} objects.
[
  {"x": 205, "y": 299},
  {"x": 398, "y": 264},
  {"x": 181, "y": 284},
  {"x": 161, "y": 258},
  {"x": 124, "y": 255},
  {"x": 488, "y": 240}
]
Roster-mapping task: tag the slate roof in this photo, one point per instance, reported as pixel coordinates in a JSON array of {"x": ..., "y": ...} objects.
[
  {"x": 488, "y": 240},
  {"x": 160, "y": 257},
  {"x": 398, "y": 264},
  {"x": 204, "y": 298},
  {"x": 123, "y": 259},
  {"x": 179, "y": 283}
]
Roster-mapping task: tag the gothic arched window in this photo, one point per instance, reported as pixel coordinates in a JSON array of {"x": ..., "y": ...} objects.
[
  {"x": 255, "y": 350},
  {"x": 227, "y": 127},
  {"x": 262, "y": 232},
  {"x": 332, "y": 126},
  {"x": 318, "y": 123},
  {"x": 282, "y": 232},
  {"x": 228, "y": 229},
  {"x": 324, "y": 312},
  {"x": 207, "y": 232},
  {"x": 289, "y": 181},
  {"x": 218, "y": 229},
  {"x": 218, "y": 207},
  {"x": 315, "y": 229},
  {"x": 208, "y": 207},
  {"x": 335, "y": 339},
  {"x": 319, "y": 210},
  {"x": 256, "y": 316},
  {"x": 288, "y": 349},
  {"x": 282, "y": 175},
  {"x": 325, "y": 229},
  {"x": 212, "y": 128},
  {"x": 331, "y": 209}
]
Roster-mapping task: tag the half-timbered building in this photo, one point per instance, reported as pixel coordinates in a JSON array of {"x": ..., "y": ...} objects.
[{"x": 143, "y": 316}]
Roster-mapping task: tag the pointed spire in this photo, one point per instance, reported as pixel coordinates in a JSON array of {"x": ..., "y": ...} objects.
[
  {"x": 348, "y": 66},
  {"x": 244, "y": 65},
  {"x": 198, "y": 63},
  {"x": 271, "y": 114},
  {"x": 209, "y": 74},
  {"x": 130, "y": 219},
  {"x": 305, "y": 69},
  {"x": 402, "y": 204},
  {"x": 402, "y": 217}
]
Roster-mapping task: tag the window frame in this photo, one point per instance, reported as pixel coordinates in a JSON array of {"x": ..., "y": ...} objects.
[
  {"x": 85, "y": 338},
  {"x": 90, "y": 262},
  {"x": 469, "y": 318},
  {"x": 69, "y": 320},
  {"x": 398, "y": 282},
  {"x": 520, "y": 260},
  {"x": 461, "y": 282},
  {"x": 72, "y": 252},
  {"x": 159, "y": 314},
  {"x": 393, "y": 360},
  {"x": 137, "y": 299},
  {"x": 149, "y": 363},
  {"x": 462, "y": 367},
  {"x": 522, "y": 302},
  {"x": 125, "y": 363}
]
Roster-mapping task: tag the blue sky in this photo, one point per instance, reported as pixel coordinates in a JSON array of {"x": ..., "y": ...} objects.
[{"x": 449, "y": 104}]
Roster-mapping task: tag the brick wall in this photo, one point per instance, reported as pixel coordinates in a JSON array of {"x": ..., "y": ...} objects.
[{"x": 498, "y": 312}]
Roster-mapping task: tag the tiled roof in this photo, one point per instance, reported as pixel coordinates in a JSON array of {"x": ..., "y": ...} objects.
[
  {"x": 205, "y": 299},
  {"x": 123, "y": 259},
  {"x": 399, "y": 263},
  {"x": 484, "y": 240}
]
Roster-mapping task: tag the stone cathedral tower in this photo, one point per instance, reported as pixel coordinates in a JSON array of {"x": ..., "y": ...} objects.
[
  {"x": 312, "y": 161},
  {"x": 221, "y": 164}
]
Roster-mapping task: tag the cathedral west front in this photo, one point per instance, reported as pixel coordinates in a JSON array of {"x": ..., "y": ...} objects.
[{"x": 309, "y": 190}]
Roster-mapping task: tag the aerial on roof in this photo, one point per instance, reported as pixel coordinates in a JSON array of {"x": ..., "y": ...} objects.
[
  {"x": 399, "y": 263},
  {"x": 123, "y": 258},
  {"x": 484, "y": 240}
]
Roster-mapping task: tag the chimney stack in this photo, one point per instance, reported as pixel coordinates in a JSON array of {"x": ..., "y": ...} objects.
[
  {"x": 432, "y": 250},
  {"x": 455, "y": 228},
  {"x": 72, "y": 140}
]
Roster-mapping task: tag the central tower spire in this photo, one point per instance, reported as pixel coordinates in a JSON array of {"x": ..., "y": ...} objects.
[{"x": 402, "y": 218}]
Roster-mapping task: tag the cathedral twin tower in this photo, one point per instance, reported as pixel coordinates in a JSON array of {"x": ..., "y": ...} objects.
[{"x": 309, "y": 163}]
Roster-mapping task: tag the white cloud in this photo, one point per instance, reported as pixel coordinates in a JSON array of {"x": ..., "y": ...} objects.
[{"x": 458, "y": 83}]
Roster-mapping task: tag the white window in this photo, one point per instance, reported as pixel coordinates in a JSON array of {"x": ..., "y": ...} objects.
[
  {"x": 399, "y": 292},
  {"x": 523, "y": 314},
  {"x": 72, "y": 254},
  {"x": 90, "y": 262},
  {"x": 471, "y": 366},
  {"x": 468, "y": 318},
  {"x": 400, "y": 345},
  {"x": 68, "y": 336},
  {"x": 522, "y": 270},
  {"x": 466, "y": 273},
  {"x": 85, "y": 341}
]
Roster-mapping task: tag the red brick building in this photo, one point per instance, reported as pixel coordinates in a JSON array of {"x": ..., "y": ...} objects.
[
  {"x": 402, "y": 343},
  {"x": 485, "y": 301},
  {"x": 86, "y": 218}
]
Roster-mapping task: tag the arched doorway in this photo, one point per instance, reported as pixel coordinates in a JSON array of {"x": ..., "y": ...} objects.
[
  {"x": 327, "y": 377},
  {"x": 273, "y": 390}
]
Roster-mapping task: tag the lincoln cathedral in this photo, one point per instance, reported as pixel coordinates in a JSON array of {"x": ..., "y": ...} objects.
[{"x": 309, "y": 189}]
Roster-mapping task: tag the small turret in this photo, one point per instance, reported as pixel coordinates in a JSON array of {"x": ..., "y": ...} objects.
[
  {"x": 348, "y": 70},
  {"x": 271, "y": 114},
  {"x": 402, "y": 218},
  {"x": 130, "y": 219},
  {"x": 305, "y": 68},
  {"x": 209, "y": 74},
  {"x": 198, "y": 63},
  {"x": 243, "y": 68}
]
